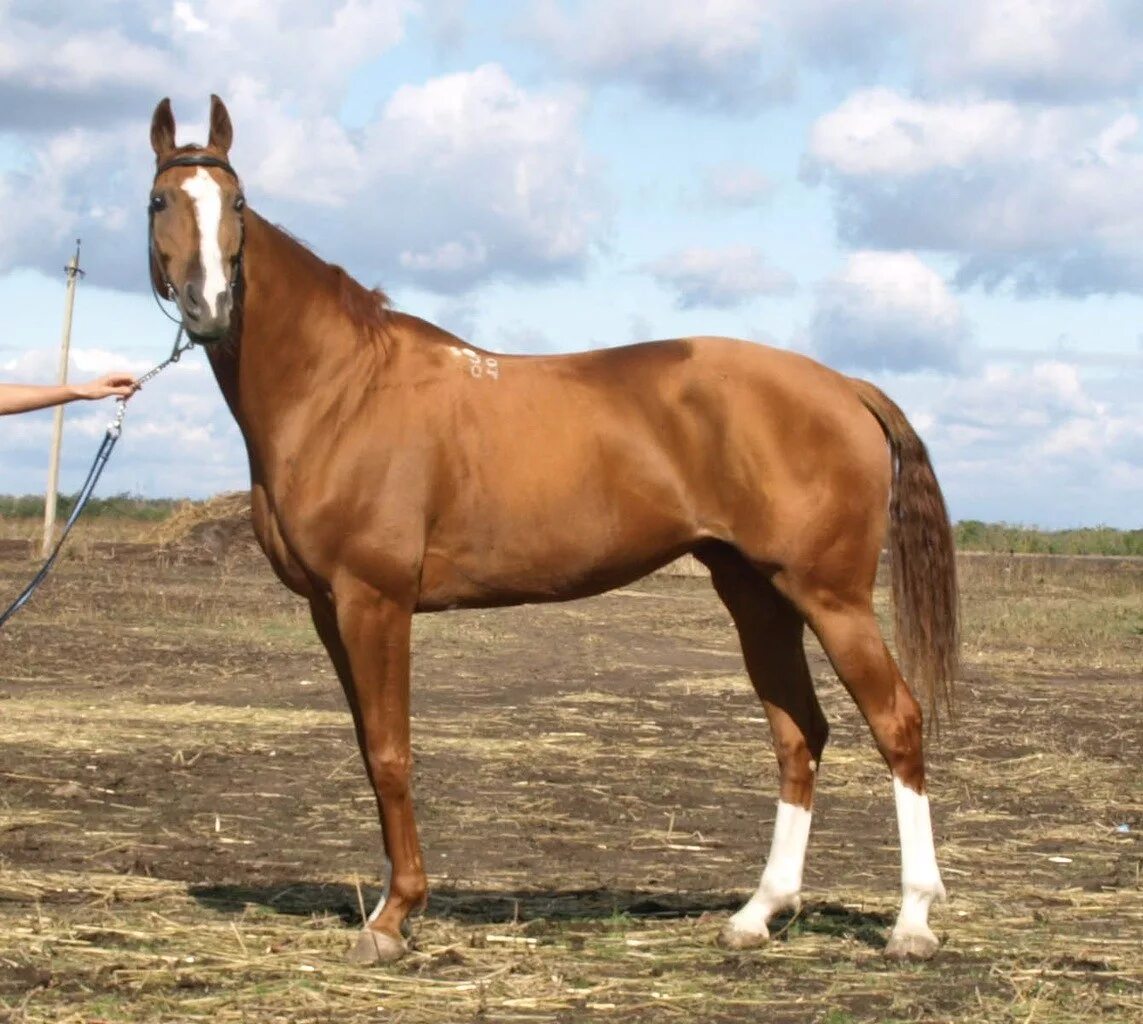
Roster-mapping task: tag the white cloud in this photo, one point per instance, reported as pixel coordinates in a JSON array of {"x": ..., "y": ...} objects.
[
  {"x": 1048, "y": 199},
  {"x": 1015, "y": 149},
  {"x": 74, "y": 185},
  {"x": 108, "y": 64},
  {"x": 840, "y": 33},
  {"x": 1044, "y": 50},
  {"x": 718, "y": 55},
  {"x": 735, "y": 54},
  {"x": 464, "y": 177},
  {"x": 719, "y": 278},
  {"x": 1056, "y": 51},
  {"x": 1036, "y": 438},
  {"x": 882, "y": 132},
  {"x": 264, "y": 42},
  {"x": 78, "y": 84},
  {"x": 186, "y": 19},
  {"x": 887, "y": 311},
  {"x": 461, "y": 256},
  {"x": 489, "y": 177},
  {"x": 177, "y": 420}
]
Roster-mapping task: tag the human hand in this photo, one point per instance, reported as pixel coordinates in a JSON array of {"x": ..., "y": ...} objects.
[{"x": 119, "y": 384}]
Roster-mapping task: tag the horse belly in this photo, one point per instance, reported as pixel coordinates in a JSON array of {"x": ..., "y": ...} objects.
[{"x": 574, "y": 549}]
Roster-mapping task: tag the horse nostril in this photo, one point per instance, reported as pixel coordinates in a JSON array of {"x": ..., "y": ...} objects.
[{"x": 192, "y": 301}]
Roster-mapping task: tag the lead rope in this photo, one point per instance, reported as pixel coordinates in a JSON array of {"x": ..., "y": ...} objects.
[{"x": 114, "y": 429}]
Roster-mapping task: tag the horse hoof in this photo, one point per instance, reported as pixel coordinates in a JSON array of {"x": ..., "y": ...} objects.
[
  {"x": 912, "y": 945},
  {"x": 736, "y": 938},
  {"x": 375, "y": 947}
]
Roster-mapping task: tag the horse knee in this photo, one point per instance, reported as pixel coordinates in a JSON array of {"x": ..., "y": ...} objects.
[
  {"x": 798, "y": 759},
  {"x": 901, "y": 741},
  {"x": 799, "y": 746},
  {"x": 389, "y": 774}
]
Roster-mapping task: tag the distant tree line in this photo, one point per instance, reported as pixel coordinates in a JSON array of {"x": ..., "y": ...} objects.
[
  {"x": 971, "y": 534},
  {"x": 118, "y": 506}
]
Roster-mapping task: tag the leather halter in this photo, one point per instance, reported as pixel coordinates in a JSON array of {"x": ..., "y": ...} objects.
[
  {"x": 191, "y": 160},
  {"x": 197, "y": 160}
]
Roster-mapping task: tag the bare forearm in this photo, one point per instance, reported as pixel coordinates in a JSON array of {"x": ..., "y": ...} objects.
[{"x": 26, "y": 397}]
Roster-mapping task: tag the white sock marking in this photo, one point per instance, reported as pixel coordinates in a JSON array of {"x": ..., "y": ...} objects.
[
  {"x": 207, "y": 197},
  {"x": 376, "y": 911},
  {"x": 384, "y": 895},
  {"x": 781, "y": 880},
  {"x": 920, "y": 877}
]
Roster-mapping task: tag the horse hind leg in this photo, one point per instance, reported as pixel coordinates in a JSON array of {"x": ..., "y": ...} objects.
[
  {"x": 851, "y": 637},
  {"x": 770, "y": 631}
]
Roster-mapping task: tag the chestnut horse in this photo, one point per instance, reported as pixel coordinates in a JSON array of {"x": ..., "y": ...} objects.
[{"x": 395, "y": 469}]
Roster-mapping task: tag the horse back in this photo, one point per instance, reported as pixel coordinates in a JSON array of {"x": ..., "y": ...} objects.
[{"x": 557, "y": 476}]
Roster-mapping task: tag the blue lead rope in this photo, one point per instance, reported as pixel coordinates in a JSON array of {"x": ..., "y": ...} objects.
[
  {"x": 81, "y": 500},
  {"x": 114, "y": 429}
]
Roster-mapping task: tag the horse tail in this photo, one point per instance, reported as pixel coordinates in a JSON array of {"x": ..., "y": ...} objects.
[{"x": 922, "y": 558}]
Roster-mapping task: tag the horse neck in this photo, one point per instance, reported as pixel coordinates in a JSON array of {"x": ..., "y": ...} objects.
[{"x": 294, "y": 344}]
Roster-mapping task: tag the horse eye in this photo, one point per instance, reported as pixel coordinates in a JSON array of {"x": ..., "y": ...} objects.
[
  {"x": 158, "y": 203},
  {"x": 240, "y": 203}
]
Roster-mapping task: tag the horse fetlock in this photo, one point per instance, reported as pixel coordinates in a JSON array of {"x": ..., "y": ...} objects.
[
  {"x": 411, "y": 890},
  {"x": 748, "y": 929},
  {"x": 775, "y": 896},
  {"x": 917, "y": 895}
]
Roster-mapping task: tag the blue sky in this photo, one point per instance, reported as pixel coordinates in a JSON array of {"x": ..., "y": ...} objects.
[{"x": 946, "y": 198}]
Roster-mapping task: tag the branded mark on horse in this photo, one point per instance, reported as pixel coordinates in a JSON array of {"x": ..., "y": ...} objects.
[{"x": 395, "y": 469}]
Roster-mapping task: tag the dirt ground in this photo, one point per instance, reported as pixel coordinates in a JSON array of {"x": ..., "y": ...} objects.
[{"x": 186, "y": 833}]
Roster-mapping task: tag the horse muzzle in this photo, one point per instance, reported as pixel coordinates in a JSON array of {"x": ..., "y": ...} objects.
[{"x": 204, "y": 320}]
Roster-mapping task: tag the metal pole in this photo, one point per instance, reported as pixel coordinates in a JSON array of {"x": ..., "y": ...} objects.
[{"x": 73, "y": 274}]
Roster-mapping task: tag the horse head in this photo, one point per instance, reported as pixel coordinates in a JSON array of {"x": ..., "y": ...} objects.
[{"x": 196, "y": 223}]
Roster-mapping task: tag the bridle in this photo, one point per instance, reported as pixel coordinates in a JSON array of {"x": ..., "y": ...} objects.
[{"x": 190, "y": 160}]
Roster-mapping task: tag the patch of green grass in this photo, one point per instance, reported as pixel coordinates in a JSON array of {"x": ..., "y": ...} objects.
[
  {"x": 117, "y": 506},
  {"x": 974, "y": 535},
  {"x": 838, "y": 1017}
]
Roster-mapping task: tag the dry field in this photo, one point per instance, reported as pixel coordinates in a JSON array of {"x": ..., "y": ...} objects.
[{"x": 186, "y": 834}]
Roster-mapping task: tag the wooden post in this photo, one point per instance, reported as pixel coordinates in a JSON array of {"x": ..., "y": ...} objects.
[{"x": 73, "y": 275}]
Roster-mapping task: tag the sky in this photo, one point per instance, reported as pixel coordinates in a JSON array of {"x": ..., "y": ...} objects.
[{"x": 943, "y": 197}]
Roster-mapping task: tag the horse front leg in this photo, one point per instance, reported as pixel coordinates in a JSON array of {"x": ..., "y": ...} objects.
[{"x": 370, "y": 649}]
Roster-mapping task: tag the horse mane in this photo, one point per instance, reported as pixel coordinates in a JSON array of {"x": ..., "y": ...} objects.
[{"x": 367, "y": 308}]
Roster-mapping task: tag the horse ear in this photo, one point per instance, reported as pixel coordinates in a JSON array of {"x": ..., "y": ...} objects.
[
  {"x": 163, "y": 129},
  {"x": 221, "y": 131}
]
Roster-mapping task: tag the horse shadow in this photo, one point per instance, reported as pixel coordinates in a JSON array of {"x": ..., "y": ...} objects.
[{"x": 537, "y": 908}]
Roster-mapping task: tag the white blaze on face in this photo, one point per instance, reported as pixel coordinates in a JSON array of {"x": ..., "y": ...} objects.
[{"x": 206, "y": 195}]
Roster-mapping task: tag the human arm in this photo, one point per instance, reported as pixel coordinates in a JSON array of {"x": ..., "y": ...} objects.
[{"x": 26, "y": 397}]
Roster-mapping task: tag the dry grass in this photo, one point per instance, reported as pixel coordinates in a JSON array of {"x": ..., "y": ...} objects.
[
  {"x": 594, "y": 797},
  {"x": 192, "y": 515},
  {"x": 87, "y": 535}
]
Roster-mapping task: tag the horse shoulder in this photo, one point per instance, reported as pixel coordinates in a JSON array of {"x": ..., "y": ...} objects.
[{"x": 268, "y": 533}]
